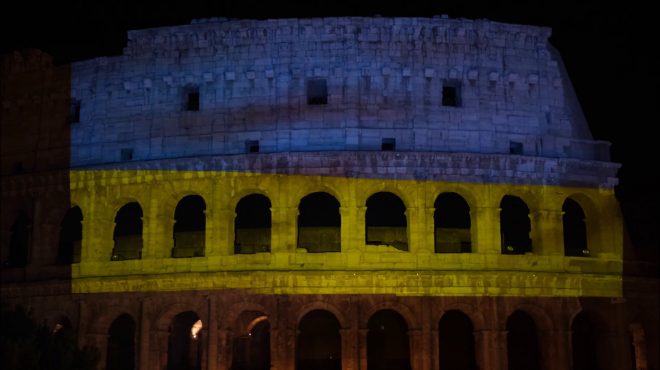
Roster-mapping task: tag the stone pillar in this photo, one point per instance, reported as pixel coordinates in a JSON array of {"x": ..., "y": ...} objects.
[
  {"x": 284, "y": 229},
  {"x": 276, "y": 362},
  {"x": 363, "y": 334},
  {"x": 418, "y": 231},
  {"x": 100, "y": 341},
  {"x": 486, "y": 232},
  {"x": 547, "y": 232},
  {"x": 225, "y": 342},
  {"x": 360, "y": 227},
  {"x": 428, "y": 233},
  {"x": 159, "y": 350},
  {"x": 349, "y": 238},
  {"x": 490, "y": 349},
  {"x": 143, "y": 355},
  {"x": 348, "y": 354},
  {"x": 212, "y": 352},
  {"x": 416, "y": 349},
  {"x": 435, "y": 349},
  {"x": 97, "y": 240},
  {"x": 219, "y": 239},
  {"x": 555, "y": 349}
]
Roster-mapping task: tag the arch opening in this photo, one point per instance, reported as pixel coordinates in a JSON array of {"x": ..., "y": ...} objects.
[
  {"x": 184, "y": 346},
  {"x": 69, "y": 247},
  {"x": 586, "y": 342},
  {"x": 189, "y": 227},
  {"x": 252, "y": 226},
  {"x": 456, "y": 340},
  {"x": 121, "y": 344},
  {"x": 515, "y": 226},
  {"x": 386, "y": 222},
  {"x": 575, "y": 229},
  {"x": 319, "y": 223},
  {"x": 388, "y": 347},
  {"x": 251, "y": 342},
  {"x": 452, "y": 224},
  {"x": 318, "y": 344},
  {"x": 128, "y": 233},
  {"x": 522, "y": 342}
]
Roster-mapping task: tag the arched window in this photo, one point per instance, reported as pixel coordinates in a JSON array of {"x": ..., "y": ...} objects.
[
  {"x": 251, "y": 342},
  {"x": 252, "y": 227},
  {"x": 515, "y": 226},
  {"x": 575, "y": 229},
  {"x": 128, "y": 233},
  {"x": 70, "y": 237},
  {"x": 189, "y": 227},
  {"x": 184, "y": 347},
  {"x": 318, "y": 344},
  {"x": 121, "y": 344},
  {"x": 585, "y": 341},
  {"x": 387, "y": 342},
  {"x": 19, "y": 241},
  {"x": 319, "y": 223},
  {"x": 522, "y": 342},
  {"x": 452, "y": 224},
  {"x": 456, "y": 342},
  {"x": 386, "y": 222}
]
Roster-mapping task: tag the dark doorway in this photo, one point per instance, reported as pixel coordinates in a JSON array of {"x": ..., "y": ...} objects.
[
  {"x": 189, "y": 227},
  {"x": 456, "y": 342},
  {"x": 575, "y": 229},
  {"x": 251, "y": 344},
  {"x": 318, "y": 344},
  {"x": 19, "y": 241},
  {"x": 515, "y": 226},
  {"x": 452, "y": 224},
  {"x": 584, "y": 340},
  {"x": 184, "y": 350},
  {"x": 386, "y": 222},
  {"x": 387, "y": 342},
  {"x": 252, "y": 226},
  {"x": 121, "y": 344},
  {"x": 319, "y": 223},
  {"x": 522, "y": 342},
  {"x": 128, "y": 233},
  {"x": 70, "y": 237}
]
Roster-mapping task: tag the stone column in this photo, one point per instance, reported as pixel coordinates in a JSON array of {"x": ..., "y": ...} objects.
[
  {"x": 435, "y": 349},
  {"x": 360, "y": 227},
  {"x": 486, "y": 232},
  {"x": 159, "y": 350},
  {"x": 100, "y": 341},
  {"x": 284, "y": 229},
  {"x": 212, "y": 353},
  {"x": 428, "y": 233},
  {"x": 555, "y": 349},
  {"x": 143, "y": 355},
  {"x": 490, "y": 349},
  {"x": 349, "y": 237},
  {"x": 363, "y": 334},
  {"x": 418, "y": 234},
  {"x": 547, "y": 232},
  {"x": 416, "y": 349},
  {"x": 225, "y": 343},
  {"x": 348, "y": 346},
  {"x": 219, "y": 239},
  {"x": 97, "y": 240}
]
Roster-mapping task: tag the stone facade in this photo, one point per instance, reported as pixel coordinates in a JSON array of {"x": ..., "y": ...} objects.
[{"x": 351, "y": 108}]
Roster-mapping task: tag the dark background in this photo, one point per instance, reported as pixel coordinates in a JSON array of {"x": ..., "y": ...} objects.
[{"x": 606, "y": 47}]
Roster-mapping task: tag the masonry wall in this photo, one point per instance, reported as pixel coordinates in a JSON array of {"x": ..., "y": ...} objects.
[{"x": 384, "y": 78}]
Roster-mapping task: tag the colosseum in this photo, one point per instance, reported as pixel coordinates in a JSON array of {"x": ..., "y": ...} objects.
[{"x": 336, "y": 193}]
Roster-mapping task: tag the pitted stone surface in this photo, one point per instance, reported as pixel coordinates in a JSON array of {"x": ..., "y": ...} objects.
[{"x": 384, "y": 76}]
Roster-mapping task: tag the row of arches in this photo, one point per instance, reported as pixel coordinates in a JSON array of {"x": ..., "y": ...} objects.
[
  {"x": 318, "y": 342},
  {"x": 319, "y": 224}
]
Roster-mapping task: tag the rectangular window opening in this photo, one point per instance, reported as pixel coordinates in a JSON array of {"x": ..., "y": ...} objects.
[
  {"x": 451, "y": 95},
  {"x": 388, "y": 144},
  {"x": 127, "y": 154},
  {"x": 317, "y": 92},
  {"x": 74, "y": 111},
  {"x": 515, "y": 148},
  {"x": 252, "y": 146},
  {"x": 192, "y": 100}
]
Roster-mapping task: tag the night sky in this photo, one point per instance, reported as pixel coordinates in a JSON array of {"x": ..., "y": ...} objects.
[{"x": 606, "y": 48}]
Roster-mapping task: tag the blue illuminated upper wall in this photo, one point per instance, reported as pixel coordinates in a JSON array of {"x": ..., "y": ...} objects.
[{"x": 261, "y": 83}]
